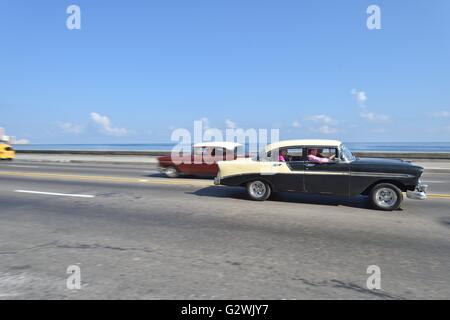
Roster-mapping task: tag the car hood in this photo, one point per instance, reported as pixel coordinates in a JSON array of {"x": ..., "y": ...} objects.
[
  {"x": 393, "y": 163},
  {"x": 381, "y": 161}
]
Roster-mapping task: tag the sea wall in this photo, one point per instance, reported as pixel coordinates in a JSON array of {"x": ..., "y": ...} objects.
[{"x": 365, "y": 154}]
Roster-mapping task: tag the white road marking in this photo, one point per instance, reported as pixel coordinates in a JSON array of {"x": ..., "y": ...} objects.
[
  {"x": 56, "y": 194},
  {"x": 22, "y": 166}
]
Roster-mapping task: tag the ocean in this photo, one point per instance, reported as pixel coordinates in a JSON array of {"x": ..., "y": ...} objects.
[{"x": 354, "y": 146}]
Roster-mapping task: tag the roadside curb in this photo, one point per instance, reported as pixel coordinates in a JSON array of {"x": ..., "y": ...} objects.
[
  {"x": 91, "y": 161},
  {"x": 437, "y": 170},
  {"x": 117, "y": 162}
]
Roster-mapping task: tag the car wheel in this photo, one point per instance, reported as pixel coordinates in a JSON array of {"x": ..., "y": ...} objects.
[
  {"x": 258, "y": 190},
  {"x": 171, "y": 172},
  {"x": 386, "y": 197}
]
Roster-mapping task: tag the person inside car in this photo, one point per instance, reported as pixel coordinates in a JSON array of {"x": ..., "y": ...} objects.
[
  {"x": 282, "y": 157},
  {"x": 315, "y": 156}
]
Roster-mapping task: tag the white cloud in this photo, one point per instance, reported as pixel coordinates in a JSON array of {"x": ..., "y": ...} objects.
[
  {"x": 11, "y": 139},
  {"x": 322, "y": 118},
  {"x": 441, "y": 114},
  {"x": 324, "y": 124},
  {"x": 360, "y": 97},
  {"x": 230, "y": 124},
  {"x": 373, "y": 117},
  {"x": 326, "y": 129},
  {"x": 71, "y": 128},
  {"x": 106, "y": 126},
  {"x": 379, "y": 130},
  {"x": 296, "y": 124},
  {"x": 21, "y": 141}
]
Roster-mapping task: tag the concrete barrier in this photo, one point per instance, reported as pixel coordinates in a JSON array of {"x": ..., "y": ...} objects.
[
  {"x": 404, "y": 155},
  {"x": 362, "y": 154},
  {"x": 96, "y": 152}
]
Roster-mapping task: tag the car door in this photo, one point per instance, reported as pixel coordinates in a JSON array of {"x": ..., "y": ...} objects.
[
  {"x": 327, "y": 178},
  {"x": 204, "y": 161},
  {"x": 210, "y": 157},
  {"x": 192, "y": 161},
  {"x": 291, "y": 179}
]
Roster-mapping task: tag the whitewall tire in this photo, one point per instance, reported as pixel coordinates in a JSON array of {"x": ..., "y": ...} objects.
[
  {"x": 386, "y": 197},
  {"x": 171, "y": 172},
  {"x": 258, "y": 190}
]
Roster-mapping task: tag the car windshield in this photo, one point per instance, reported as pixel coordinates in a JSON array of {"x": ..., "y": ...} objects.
[{"x": 347, "y": 155}]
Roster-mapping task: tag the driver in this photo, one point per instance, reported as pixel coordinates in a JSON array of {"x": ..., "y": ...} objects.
[{"x": 315, "y": 156}]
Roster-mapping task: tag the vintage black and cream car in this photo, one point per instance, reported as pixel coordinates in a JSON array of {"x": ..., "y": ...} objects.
[{"x": 323, "y": 167}]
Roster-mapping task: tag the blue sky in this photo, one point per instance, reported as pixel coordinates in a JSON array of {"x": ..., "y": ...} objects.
[{"x": 138, "y": 69}]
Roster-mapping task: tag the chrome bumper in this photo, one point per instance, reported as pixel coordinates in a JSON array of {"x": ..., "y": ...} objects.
[{"x": 419, "y": 194}]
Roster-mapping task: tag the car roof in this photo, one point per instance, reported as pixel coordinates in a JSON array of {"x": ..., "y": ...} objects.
[
  {"x": 218, "y": 144},
  {"x": 303, "y": 143}
]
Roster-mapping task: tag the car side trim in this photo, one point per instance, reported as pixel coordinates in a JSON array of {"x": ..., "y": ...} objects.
[
  {"x": 381, "y": 174},
  {"x": 337, "y": 173}
]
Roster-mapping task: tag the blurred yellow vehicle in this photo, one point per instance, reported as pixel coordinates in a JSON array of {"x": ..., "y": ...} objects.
[{"x": 6, "y": 152}]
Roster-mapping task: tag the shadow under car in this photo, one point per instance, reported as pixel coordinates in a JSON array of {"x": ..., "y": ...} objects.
[{"x": 239, "y": 193}]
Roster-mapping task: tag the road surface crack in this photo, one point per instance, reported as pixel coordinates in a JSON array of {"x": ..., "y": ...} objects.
[
  {"x": 98, "y": 246},
  {"x": 348, "y": 285},
  {"x": 57, "y": 245},
  {"x": 45, "y": 245}
]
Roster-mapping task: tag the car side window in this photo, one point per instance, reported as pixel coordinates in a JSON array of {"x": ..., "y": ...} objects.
[
  {"x": 294, "y": 154},
  {"x": 214, "y": 154},
  {"x": 219, "y": 153},
  {"x": 323, "y": 152},
  {"x": 329, "y": 152},
  {"x": 291, "y": 154},
  {"x": 198, "y": 151}
]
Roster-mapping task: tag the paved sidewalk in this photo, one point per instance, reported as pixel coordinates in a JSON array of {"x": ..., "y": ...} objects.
[
  {"x": 71, "y": 158},
  {"x": 434, "y": 166}
]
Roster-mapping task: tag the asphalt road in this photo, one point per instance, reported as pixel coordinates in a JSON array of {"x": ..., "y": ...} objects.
[{"x": 137, "y": 235}]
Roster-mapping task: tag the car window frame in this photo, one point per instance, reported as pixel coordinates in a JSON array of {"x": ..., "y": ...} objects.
[
  {"x": 303, "y": 159},
  {"x": 336, "y": 159}
]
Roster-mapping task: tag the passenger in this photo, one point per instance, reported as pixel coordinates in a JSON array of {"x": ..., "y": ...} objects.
[
  {"x": 315, "y": 156},
  {"x": 282, "y": 155}
]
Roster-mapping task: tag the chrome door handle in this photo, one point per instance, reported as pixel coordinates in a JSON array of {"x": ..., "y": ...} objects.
[
  {"x": 310, "y": 165},
  {"x": 276, "y": 164}
]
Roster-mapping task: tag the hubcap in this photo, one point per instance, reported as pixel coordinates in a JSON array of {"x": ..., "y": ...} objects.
[
  {"x": 386, "y": 197},
  {"x": 171, "y": 171},
  {"x": 258, "y": 189}
]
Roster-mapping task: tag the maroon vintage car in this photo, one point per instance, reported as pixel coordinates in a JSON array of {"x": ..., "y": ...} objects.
[{"x": 202, "y": 160}]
